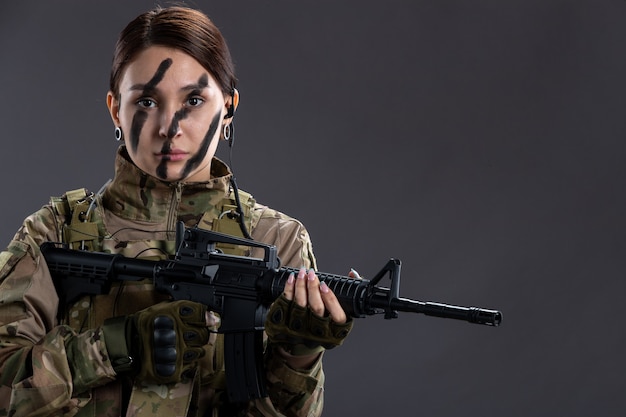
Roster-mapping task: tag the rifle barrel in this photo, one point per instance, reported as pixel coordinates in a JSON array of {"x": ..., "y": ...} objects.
[{"x": 471, "y": 314}]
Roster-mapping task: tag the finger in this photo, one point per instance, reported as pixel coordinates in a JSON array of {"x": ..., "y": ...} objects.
[
  {"x": 300, "y": 296},
  {"x": 316, "y": 304},
  {"x": 332, "y": 304},
  {"x": 354, "y": 274},
  {"x": 289, "y": 287},
  {"x": 213, "y": 320}
]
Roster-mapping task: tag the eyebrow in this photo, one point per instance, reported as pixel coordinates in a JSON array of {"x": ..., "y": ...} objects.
[
  {"x": 188, "y": 87},
  {"x": 194, "y": 87}
]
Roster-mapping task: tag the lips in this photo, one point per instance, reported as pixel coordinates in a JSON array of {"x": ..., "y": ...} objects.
[{"x": 172, "y": 155}]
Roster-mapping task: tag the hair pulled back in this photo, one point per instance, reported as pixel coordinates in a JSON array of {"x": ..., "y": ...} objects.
[{"x": 188, "y": 30}]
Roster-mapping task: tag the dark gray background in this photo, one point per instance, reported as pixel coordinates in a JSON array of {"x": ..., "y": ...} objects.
[{"x": 480, "y": 142}]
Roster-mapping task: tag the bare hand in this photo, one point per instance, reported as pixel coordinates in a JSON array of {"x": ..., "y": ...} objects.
[{"x": 307, "y": 290}]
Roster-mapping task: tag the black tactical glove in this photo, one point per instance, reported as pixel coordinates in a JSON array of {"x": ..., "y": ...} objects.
[
  {"x": 159, "y": 344},
  {"x": 300, "y": 331}
]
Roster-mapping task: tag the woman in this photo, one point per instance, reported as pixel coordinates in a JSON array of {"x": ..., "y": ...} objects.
[{"x": 172, "y": 99}]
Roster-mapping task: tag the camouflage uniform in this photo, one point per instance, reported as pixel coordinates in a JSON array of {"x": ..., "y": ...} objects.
[{"x": 53, "y": 366}]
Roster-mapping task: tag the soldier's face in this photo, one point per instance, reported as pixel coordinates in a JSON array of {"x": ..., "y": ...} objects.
[{"x": 171, "y": 111}]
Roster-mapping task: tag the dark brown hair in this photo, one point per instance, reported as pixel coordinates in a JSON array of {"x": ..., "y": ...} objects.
[{"x": 188, "y": 30}]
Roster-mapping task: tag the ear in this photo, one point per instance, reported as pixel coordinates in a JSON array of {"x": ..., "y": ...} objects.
[
  {"x": 231, "y": 104},
  {"x": 114, "y": 108},
  {"x": 235, "y": 98}
]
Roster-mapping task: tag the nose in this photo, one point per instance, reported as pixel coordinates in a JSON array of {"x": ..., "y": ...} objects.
[{"x": 170, "y": 123}]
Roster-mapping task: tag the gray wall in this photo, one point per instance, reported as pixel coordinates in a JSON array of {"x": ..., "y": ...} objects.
[{"x": 480, "y": 142}]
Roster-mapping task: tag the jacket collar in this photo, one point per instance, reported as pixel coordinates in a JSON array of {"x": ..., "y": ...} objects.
[{"x": 135, "y": 195}]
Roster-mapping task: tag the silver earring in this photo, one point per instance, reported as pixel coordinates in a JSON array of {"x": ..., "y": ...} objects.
[
  {"x": 118, "y": 134},
  {"x": 227, "y": 132}
]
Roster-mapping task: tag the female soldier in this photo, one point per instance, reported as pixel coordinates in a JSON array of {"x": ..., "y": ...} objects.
[{"x": 172, "y": 98}]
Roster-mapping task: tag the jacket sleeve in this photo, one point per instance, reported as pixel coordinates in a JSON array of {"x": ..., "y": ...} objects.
[
  {"x": 292, "y": 392},
  {"x": 43, "y": 366}
]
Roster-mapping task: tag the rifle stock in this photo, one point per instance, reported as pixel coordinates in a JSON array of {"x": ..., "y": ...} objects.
[{"x": 240, "y": 289}]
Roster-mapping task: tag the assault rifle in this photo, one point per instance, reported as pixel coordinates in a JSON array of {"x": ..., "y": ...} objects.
[{"x": 240, "y": 289}]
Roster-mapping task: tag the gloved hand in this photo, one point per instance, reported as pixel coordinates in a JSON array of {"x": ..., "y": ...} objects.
[
  {"x": 161, "y": 343},
  {"x": 300, "y": 331}
]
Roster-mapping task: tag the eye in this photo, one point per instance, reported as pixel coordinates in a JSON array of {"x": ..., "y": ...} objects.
[
  {"x": 195, "y": 101},
  {"x": 146, "y": 102}
]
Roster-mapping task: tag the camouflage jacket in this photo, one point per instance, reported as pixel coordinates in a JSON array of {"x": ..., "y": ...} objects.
[{"x": 53, "y": 360}]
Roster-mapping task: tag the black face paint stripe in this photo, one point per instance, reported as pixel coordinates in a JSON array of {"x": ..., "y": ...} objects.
[
  {"x": 178, "y": 116},
  {"x": 195, "y": 160},
  {"x": 158, "y": 75},
  {"x": 203, "y": 82},
  {"x": 181, "y": 114},
  {"x": 161, "y": 170},
  {"x": 140, "y": 117}
]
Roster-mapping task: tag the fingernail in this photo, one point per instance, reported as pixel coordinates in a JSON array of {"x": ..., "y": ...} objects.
[
  {"x": 301, "y": 273},
  {"x": 311, "y": 275},
  {"x": 324, "y": 288},
  {"x": 356, "y": 274},
  {"x": 291, "y": 278}
]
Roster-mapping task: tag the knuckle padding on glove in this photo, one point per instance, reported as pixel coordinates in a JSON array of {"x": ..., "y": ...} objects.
[
  {"x": 288, "y": 322},
  {"x": 164, "y": 346},
  {"x": 168, "y": 337}
]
